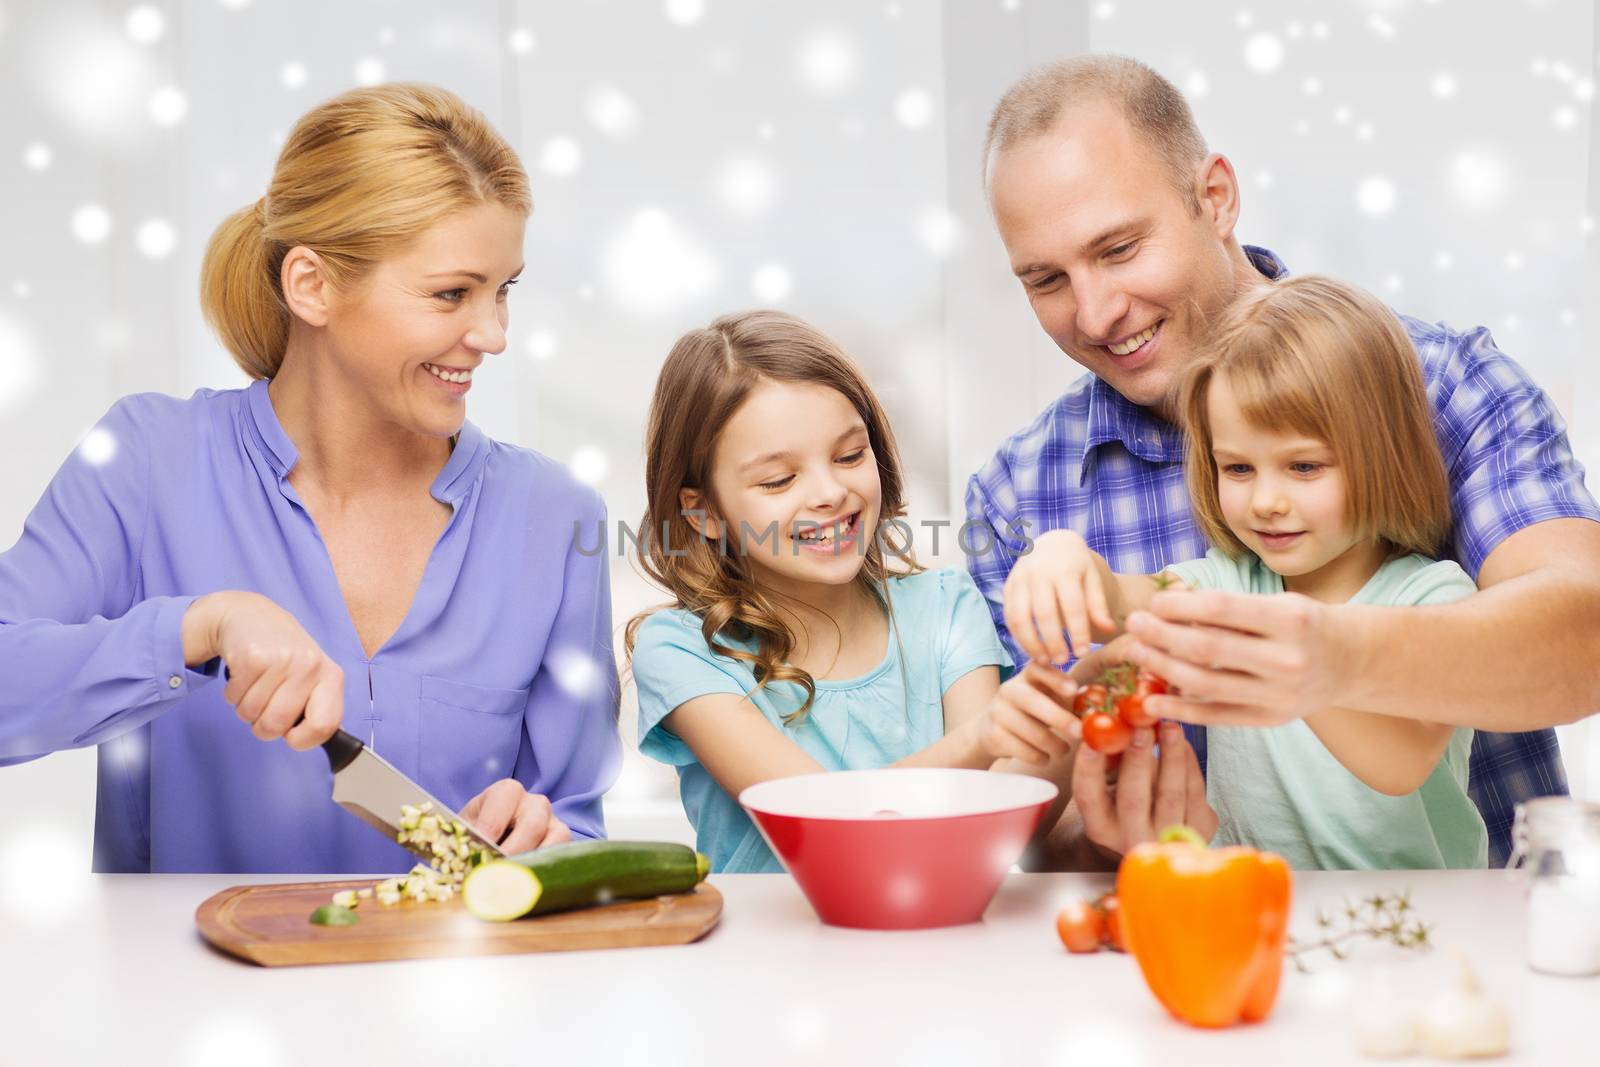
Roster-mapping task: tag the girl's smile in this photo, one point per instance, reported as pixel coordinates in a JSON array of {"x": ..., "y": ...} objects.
[{"x": 842, "y": 535}]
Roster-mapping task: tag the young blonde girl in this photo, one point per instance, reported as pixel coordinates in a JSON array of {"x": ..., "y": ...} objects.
[
  {"x": 1313, "y": 469},
  {"x": 802, "y": 635}
]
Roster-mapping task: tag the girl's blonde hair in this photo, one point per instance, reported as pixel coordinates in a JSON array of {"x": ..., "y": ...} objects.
[
  {"x": 358, "y": 179},
  {"x": 1315, "y": 356},
  {"x": 708, "y": 375}
]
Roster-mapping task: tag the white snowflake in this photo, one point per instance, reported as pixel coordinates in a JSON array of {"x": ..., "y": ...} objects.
[
  {"x": 293, "y": 75},
  {"x": 560, "y": 156},
  {"x": 653, "y": 265},
  {"x": 37, "y": 156},
  {"x": 156, "y": 238},
  {"x": 91, "y": 224},
  {"x": 98, "y": 447},
  {"x": 827, "y": 63},
  {"x": 589, "y": 465},
  {"x": 685, "y": 12},
  {"x": 914, "y": 108},
  {"x": 1263, "y": 53},
  {"x": 1376, "y": 195},
  {"x": 369, "y": 71},
  {"x": 939, "y": 231},
  {"x": 168, "y": 106},
  {"x": 747, "y": 185},
  {"x": 771, "y": 283},
  {"x": 612, "y": 111},
  {"x": 1479, "y": 178},
  {"x": 145, "y": 24},
  {"x": 541, "y": 344}
]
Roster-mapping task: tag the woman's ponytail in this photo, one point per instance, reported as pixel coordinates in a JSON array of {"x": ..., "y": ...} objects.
[{"x": 239, "y": 291}]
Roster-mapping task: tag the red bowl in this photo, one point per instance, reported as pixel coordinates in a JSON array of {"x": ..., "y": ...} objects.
[{"x": 900, "y": 848}]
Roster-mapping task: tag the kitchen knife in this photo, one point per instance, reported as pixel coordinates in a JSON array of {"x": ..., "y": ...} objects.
[{"x": 370, "y": 788}]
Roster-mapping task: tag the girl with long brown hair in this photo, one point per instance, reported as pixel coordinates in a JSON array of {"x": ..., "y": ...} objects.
[{"x": 802, "y": 635}]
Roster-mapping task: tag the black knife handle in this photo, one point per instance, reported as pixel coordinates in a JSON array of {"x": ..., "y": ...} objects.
[{"x": 341, "y": 749}]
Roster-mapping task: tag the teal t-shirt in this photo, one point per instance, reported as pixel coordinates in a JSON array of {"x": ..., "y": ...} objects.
[
  {"x": 1278, "y": 788},
  {"x": 944, "y": 632}
]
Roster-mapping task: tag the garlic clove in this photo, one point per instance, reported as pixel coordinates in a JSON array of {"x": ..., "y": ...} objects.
[
  {"x": 1383, "y": 1017},
  {"x": 1462, "y": 1021}
]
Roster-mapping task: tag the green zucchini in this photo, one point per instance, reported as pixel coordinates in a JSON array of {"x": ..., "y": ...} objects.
[{"x": 579, "y": 875}]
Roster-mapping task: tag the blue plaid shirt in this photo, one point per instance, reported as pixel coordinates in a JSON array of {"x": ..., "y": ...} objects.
[{"x": 1096, "y": 463}]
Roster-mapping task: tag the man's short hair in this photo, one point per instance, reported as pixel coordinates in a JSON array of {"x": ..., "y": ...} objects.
[{"x": 1155, "y": 109}]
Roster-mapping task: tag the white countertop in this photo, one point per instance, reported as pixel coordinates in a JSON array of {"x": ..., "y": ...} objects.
[{"x": 117, "y": 974}]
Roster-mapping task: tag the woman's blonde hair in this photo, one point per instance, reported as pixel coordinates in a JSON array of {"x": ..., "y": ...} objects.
[
  {"x": 358, "y": 179},
  {"x": 707, "y": 377},
  {"x": 1315, "y": 356}
]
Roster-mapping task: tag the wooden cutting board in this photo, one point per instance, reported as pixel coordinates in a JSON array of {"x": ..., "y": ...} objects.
[{"x": 271, "y": 925}]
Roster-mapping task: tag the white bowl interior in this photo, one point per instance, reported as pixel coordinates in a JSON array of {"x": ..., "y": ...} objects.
[{"x": 896, "y": 792}]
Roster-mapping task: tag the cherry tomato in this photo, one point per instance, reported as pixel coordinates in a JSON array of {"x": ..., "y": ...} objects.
[
  {"x": 1090, "y": 699},
  {"x": 1080, "y": 926},
  {"x": 1111, "y": 914},
  {"x": 1106, "y": 733},
  {"x": 1131, "y": 710},
  {"x": 1150, "y": 684}
]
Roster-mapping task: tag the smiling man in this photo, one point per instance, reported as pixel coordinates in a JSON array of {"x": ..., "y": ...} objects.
[{"x": 1119, "y": 223}]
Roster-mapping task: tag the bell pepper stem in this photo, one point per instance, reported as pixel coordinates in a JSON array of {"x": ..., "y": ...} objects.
[{"x": 1186, "y": 834}]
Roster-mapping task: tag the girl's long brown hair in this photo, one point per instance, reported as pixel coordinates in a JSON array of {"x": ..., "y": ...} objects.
[{"x": 707, "y": 377}]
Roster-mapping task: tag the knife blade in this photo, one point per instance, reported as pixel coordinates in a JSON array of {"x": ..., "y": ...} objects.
[{"x": 374, "y": 791}]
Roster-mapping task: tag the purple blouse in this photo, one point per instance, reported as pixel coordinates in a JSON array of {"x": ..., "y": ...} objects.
[{"x": 501, "y": 668}]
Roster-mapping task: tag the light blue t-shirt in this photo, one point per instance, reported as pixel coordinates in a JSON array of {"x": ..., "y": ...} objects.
[
  {"x": 944, "y": 632},
  {"x": 1280, "y": 789}
]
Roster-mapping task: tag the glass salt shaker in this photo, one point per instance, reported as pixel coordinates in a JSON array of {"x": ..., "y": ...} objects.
[{"x": 1556, "y": 840}]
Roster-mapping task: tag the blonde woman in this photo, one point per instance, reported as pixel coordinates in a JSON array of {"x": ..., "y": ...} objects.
[
  {"x": 1314, "y": 470},
  {"x": 332, "y": 545}
]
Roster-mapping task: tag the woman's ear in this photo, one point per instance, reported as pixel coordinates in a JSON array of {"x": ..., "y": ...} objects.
[
  {"x": 692, "y": 504},
  {"x": 305, "y": 286}
]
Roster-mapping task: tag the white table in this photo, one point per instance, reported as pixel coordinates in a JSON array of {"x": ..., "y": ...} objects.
[{"x": 123, "y": 978}]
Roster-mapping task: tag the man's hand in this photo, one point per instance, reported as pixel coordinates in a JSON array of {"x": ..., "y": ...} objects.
[
  {"x": 1150, "y": 792},
  {"x": 1244, "y": 660}
]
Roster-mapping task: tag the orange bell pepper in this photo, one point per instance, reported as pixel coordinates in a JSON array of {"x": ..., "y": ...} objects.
[{"x": 1208, "y": 926}]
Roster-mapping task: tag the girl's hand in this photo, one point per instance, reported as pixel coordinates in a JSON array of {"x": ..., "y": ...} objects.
[
  {"x": 1062, "y": 585},
  {"x": 514, "y": 818},
  {"x": 1029, "y": 718},
  {"x": 280, "y": 681}
]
